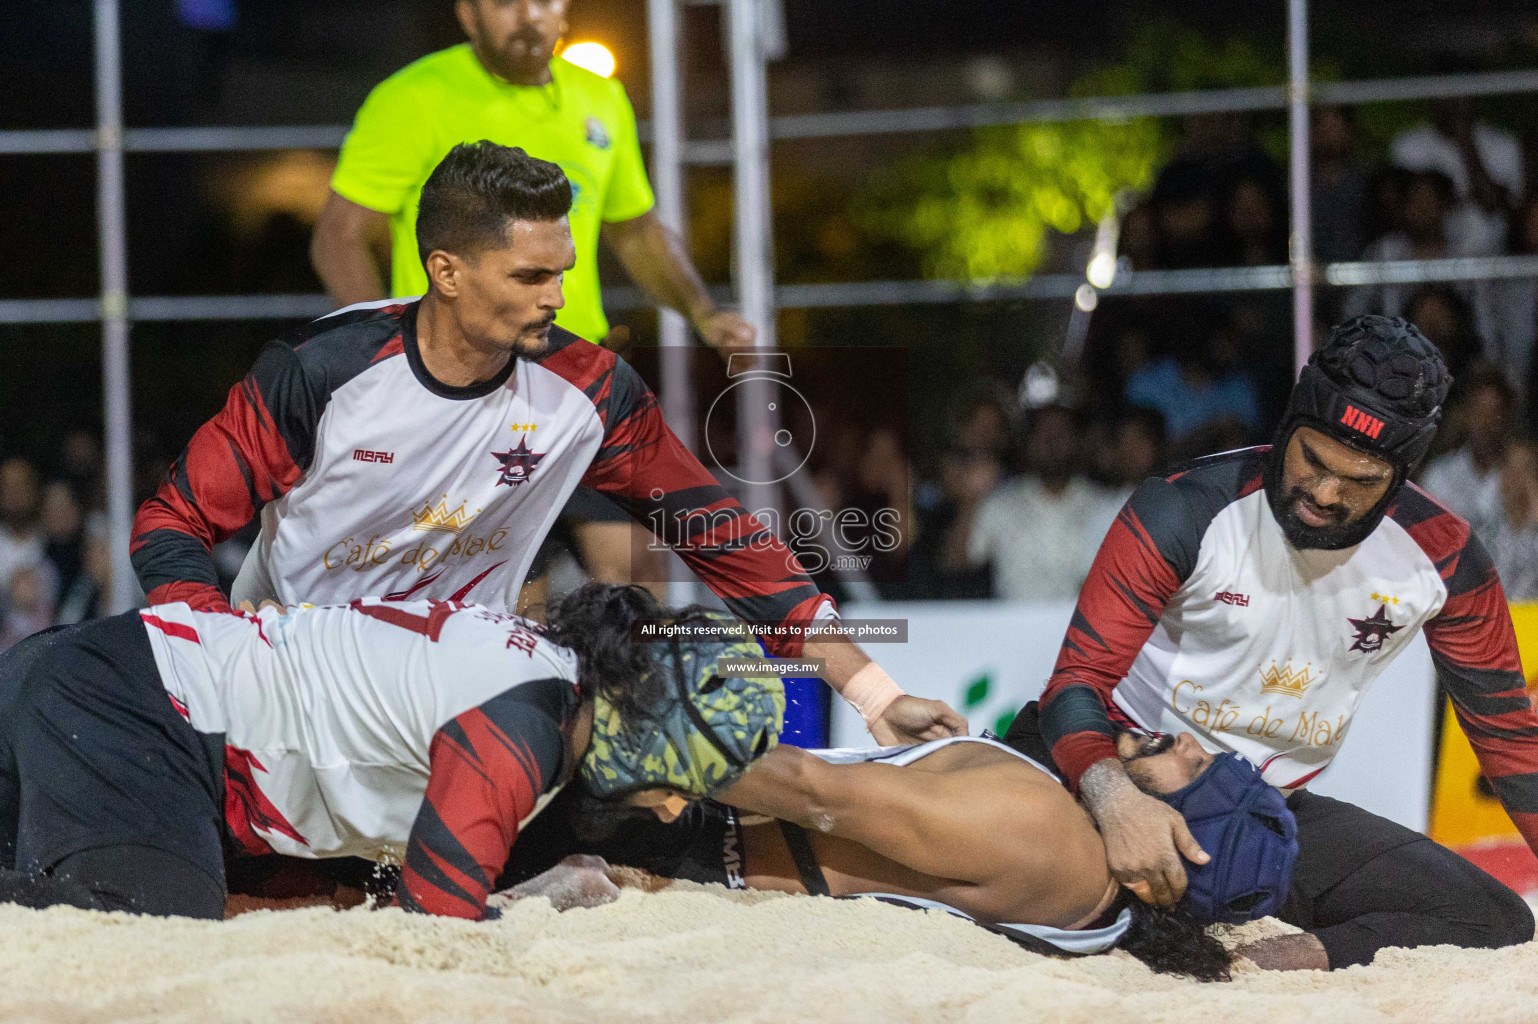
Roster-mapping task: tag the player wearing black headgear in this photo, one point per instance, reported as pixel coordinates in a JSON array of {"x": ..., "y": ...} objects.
[
  {"x": 1376, "y": 387},
  {"x": 1251, "y": 600}
]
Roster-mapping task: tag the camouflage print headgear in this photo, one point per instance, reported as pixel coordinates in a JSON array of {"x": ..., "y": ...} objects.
[{"x": 700, "y": 740}]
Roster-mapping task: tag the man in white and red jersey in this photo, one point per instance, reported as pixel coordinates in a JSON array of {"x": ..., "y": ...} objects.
[
  {"x": 423, "y": 448},
  {"x": 423, "y": 734},
  {"x": 1251, "y": 600}
]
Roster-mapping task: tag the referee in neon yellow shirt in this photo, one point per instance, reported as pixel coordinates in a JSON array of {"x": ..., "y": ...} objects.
[{"x": 504, "y": 86}]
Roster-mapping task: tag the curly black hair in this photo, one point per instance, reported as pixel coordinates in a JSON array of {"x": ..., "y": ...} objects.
[
  {"x": 594, "y": 621},
  {"x": 1172, "y": 941}
]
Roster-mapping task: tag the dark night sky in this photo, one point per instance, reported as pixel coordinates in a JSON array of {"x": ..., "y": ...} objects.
[{"x": 45, "y": 45}]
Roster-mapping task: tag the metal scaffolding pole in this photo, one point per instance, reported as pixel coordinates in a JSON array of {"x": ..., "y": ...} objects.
[
  {"x": 757, "y": 416},
  {"x": 1302, "y": 245},
  {"x": 667, "y": 181},
  {"x": 117, "y": 419}
]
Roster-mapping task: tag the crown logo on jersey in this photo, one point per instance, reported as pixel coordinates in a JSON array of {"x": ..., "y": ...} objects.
[
  {"x": 439, "y": 518},
  {"x": 1285, "y": 681}
]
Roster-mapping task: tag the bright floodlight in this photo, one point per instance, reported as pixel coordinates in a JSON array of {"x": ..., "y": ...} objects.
[
  {"x": 1102, "y": 269},
  {"x": 594, "y": 57}
]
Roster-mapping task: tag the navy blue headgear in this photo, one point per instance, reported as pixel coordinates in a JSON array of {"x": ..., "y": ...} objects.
[{"x": 1244, "y": 825}]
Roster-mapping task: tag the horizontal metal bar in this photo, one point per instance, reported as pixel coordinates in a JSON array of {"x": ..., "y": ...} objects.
[
  {"x": 230, "y": 307},
  {"x": 1427, "y": 87},
  {"x": 216, "y": 140},
  {"x": 48, "y": 140},
  {"x": 854, "y": 122},
  {"x": 855, "y": 293},
  {"x": 929, "y": 119},
  {"x": 169, "y": 307},
  {"x": 1484, "y": 268},
  {"x": 49, "y": 311}
]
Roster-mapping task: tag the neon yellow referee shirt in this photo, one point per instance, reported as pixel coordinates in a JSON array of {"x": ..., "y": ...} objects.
[{"x": 580, "y": 121}]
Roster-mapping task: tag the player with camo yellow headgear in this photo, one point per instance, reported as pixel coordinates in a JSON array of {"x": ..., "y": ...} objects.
[
  {"x": 677, "y": 727},
  {"x": 703, "y": 735}
]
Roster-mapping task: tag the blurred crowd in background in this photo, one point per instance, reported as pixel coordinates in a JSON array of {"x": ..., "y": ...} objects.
[{"x": 54, "y": 561}]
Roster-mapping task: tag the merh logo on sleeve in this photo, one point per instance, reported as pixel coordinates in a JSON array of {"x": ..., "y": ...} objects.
[
  {"x": 1372, "y": 631},
  {"x": 518, "y": 463}
]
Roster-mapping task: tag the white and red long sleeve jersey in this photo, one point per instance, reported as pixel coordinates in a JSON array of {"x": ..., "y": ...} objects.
[
  {"x": 426, "y": 732},
  {"x": 1199, "y": 615},
  {"x": 374, "y": 479}
]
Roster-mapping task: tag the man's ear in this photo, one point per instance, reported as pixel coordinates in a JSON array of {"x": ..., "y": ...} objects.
[
  {"x": 464, "y": 10},
  {"x": 443, "y": 273}
]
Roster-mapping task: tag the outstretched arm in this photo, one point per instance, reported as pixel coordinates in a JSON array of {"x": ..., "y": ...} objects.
[{"x": 655, "y": 259}]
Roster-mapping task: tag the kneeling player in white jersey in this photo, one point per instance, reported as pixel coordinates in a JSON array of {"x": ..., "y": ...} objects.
[
  {"x": 966, "y": 824},
  {"x": 422, "y": 448},
  {"x": 136, "y": 750},
  {"x": 1251, "y": 600}
]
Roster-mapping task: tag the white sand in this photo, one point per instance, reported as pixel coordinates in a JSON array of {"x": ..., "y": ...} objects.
[{"x": 686, "y": 954}]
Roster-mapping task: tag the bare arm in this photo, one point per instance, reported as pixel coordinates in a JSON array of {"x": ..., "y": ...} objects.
[
  {"x": 346, "y": 251},
  {"x": 656, "y": 259},
  {"x": 977, "y": 826}
]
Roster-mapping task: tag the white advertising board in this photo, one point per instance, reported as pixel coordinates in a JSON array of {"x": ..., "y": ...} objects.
[{"x": 987, "y": 658}]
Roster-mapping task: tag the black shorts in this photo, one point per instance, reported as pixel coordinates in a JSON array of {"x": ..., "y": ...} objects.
[
  {"x": 704, "y": 845},
  {"x": 94, "y": 755}
]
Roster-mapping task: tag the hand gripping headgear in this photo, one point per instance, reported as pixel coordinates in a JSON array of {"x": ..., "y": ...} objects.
[{"x": 1244, "y": 825}]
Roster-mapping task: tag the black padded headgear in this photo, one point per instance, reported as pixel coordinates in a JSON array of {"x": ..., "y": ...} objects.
[{"x": 1377, "y": 386}]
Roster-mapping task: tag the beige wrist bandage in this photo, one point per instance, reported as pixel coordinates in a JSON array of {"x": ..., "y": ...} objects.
[{"x": 871, "y": 691}]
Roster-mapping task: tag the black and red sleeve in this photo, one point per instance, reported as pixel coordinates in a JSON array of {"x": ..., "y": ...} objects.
[
  {"x": 1147, "y": 555},
  {"x": 645, "y": 469},
  {"x": 1474, "y": 649},
  {"x": 488, "y": 768},
  {"x": 252, "y": 452}
]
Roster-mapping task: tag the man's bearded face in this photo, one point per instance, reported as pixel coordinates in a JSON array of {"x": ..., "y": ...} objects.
[{"x": 1327, "y": 488}]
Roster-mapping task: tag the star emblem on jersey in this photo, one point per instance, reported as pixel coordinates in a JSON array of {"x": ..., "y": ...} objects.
[
  {"x": 1371, "y": 632},
  {"x": 517, "y": 463}
]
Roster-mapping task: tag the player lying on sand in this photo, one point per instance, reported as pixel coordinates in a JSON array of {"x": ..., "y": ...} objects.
[
  {"x": 135, "y": 750},
  {"x": 966, "y": 823}
]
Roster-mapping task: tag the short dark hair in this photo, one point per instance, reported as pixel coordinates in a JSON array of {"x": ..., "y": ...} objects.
[{"x": 479, "y": 187}]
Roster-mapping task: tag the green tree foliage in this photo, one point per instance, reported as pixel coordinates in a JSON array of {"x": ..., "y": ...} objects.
[{"x": 984, "y": 214}]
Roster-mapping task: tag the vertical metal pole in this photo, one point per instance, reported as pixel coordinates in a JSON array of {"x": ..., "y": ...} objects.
[
  {"x": 758, "y": 420},
  {"x": 1302, "y": 245},
  {"x": 117, "y": 421},
  {"x": 667, "y": 181}
]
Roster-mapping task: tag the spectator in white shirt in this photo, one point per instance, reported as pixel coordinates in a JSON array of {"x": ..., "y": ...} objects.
[
  {"x": 1468, "y": 479},
  {"x": 1033, "y": 529},
  {"x": 21, "y": 542},
  {"x": 1516, "y": 318},
  {"x": 1433, "y": 226},
  {"x": 1512, "y": 536},
  {"x": 1483, "y": 162}
]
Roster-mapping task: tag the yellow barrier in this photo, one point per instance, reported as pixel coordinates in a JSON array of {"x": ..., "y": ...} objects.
[{"x": 1462, "y": 813}]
